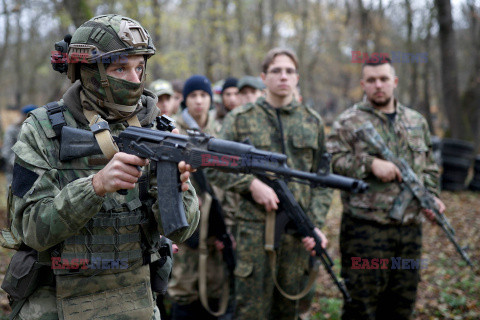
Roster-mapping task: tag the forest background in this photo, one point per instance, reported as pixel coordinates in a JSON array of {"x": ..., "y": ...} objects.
[{"x": 435, "y": 45}]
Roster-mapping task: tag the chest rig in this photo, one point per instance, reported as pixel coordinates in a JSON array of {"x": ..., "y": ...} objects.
[{"x": 123, "y": 234}]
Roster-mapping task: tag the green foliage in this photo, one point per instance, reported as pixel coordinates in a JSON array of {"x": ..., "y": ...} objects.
[{"x": 330, "y": 309}]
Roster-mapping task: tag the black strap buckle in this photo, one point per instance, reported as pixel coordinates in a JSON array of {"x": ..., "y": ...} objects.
[
  {"x": 99, "y": 127},
  {"x": 56, "y": 117}
]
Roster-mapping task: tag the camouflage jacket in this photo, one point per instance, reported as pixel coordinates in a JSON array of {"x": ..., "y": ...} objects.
[
  {"x": 407, "y": 136},
  {"x": 229, "y": 200},
  {"x": 303, "y": 141},
  {"x": 57, "y": 212}
]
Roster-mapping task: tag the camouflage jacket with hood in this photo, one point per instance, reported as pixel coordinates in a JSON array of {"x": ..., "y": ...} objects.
[
  {"x": 407, "y": 136},
  {"x": 56, "y": 211}
]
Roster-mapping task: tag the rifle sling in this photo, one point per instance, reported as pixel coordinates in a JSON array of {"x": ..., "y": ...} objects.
[
  {"x": 272, "y": 255},
  {"x": 104, "y": 137},
  {"x": 202, "y": 263}
]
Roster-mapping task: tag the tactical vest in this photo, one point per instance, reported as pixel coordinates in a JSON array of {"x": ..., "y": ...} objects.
[{"x": 118, "y": 237}]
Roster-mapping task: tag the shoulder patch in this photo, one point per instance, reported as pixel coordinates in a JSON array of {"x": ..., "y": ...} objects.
[{"x": 23, "y": 180}]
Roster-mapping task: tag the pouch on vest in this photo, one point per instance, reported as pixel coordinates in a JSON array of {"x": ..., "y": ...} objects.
[
  {"x": 161, "y": 269},
  {"x": 22, "y": 275},
  {"x": 8, "y": 238}
]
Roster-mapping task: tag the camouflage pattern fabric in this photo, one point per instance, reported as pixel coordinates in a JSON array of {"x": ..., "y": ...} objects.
[
  {"x": 407, "y": 137},
  {"x": 183, "y": 286},
  {"x": 367, "y": 231},
  {"x": 303, "y": 140},
  {"x": 379, "y": 293},
  {"x": 229, "y": 200},
  {"x": 58, "y": 202},
  {"x": 256, "y": 295}
]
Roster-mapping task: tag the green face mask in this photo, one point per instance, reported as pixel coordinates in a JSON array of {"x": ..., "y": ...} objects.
[{"x": 124, "y": 92}]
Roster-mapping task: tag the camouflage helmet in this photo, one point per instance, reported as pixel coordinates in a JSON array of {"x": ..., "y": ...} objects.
[{"x": 106, "y": 39}]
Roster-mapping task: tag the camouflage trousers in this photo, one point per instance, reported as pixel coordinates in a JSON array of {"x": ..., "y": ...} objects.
[
  {"x": 379, "y": 289},
  {"x": 256, "y": 295}
]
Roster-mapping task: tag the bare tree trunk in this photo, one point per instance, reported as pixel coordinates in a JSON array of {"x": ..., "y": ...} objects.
[
  {"x": 241, "y": 37},
  {"x": 413, "y": 90},
  {"x": 4, "y": 50},
  {"x": 209, "y": 43},
  {"x": 79, "y": 10},
  {"x": 471, "y": 96},
  {"x": 228, "y": 38},
  {"x": 426, "y": 78},
  {"x": 449, "y": 68},
  {"x": 273, "y": 24},
  {"x": 311, "y": 64},
  {"x": 362, "y": 41},
  {"x": 303, "y": 33},
  {"x": 348, "y": 14},
  {"x": 18, "y": 59},
  {"x": 379, "y": 32},
  {"x": 157, "y": 34},
  {"x": 261, "y": 22}
]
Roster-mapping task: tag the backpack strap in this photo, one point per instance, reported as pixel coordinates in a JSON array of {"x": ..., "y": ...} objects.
[{"x": 56, "y": 117}]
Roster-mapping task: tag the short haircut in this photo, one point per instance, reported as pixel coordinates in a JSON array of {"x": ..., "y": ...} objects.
[
  {"x": 267, "y": 61},
  {"x": 374, "y": 62}
]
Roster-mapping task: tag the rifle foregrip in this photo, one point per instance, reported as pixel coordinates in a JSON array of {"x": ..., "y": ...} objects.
[{"x": 170, "y": 200}]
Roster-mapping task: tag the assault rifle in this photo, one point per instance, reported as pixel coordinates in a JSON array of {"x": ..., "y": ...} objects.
[
  {"x": 291, "y": 218},
  {"x": 411, "y": 185},
  {"x": 198, "y": 150}
]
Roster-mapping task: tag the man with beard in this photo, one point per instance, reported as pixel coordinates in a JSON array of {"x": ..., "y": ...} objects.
[
  {"x": 367, "y": 230},
  {"x": 89, "y": 228}
]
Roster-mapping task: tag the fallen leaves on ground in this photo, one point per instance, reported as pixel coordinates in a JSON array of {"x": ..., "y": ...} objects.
[{"x": 449, "y": 288}]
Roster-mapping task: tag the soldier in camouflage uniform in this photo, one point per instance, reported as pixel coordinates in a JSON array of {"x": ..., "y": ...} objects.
[
  {"x": 366, "y": 230},
  {"x": 96, "y": 247},
  {"x": 280, "y": 124},
  {"x": 184, "y": 285}
]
